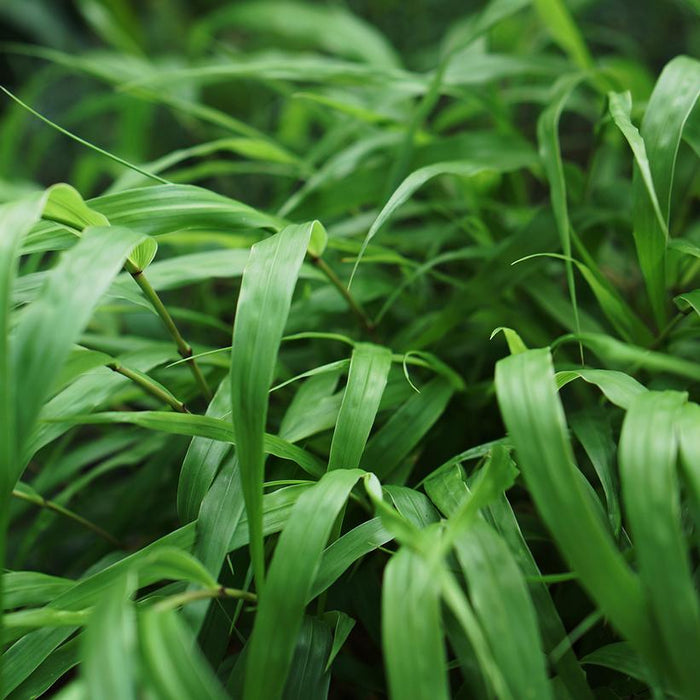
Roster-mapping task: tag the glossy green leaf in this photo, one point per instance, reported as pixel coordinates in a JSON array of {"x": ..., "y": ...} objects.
[
  {"x": 413, "y": 644},
  {"x": 64, "y": 205},
  {"x": 263, "y": 305},
  {"x": 535, "y": 421},
  {"x": 291, "y": 575},
  {"x": 674, "y": 96},
  {"x": 406, "y": 428},
  {"x": 501, "y": 601},
  {"x": 367, "y": 377},
  {"x": 203, "y": 458},
  {"x": 109, "y": 644},
  {"x": 61, "y": 312},
  {"x": 648, "y": 452},
  {"x": 175, "y": 668}
]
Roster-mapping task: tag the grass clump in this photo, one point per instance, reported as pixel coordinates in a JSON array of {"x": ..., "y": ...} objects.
[{"x": 347, "y": 367}]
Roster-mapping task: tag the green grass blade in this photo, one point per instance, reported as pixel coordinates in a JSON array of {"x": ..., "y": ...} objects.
[
  {"x": 674, "y": 97},
  {"x": 263, "y": 305},
  {"x": 648, "y": 452},
  {"x": 277, "y": 507},
  {"x": 617, "y": 387},
  {"x": 60, "y": 314},
  {"x": 502, "y": 603},
  {"x": 593, "y": 430},
  {"x": 200, "y": 426},
  {"x": 621, "y": 657},
  {"x": 26, "y": 655},
  {"x": 173, "y": 666},
  {"x": 27, "y": 588},
  {"x": 620, "y": 105},
  {"x": 203, "y": 458},
  {"x": 555, "y": 15},
  {"x": 369, "y": 369},
  {"x": 292, "y": 572},
  {"x": 308, "y": 678},
  {"x": 346, "y": 550},
  {"x": 221, "y": 511},
  {"x": 550, "y": 153},
  {"x": 406, "y": 428},
  {"x": 109, "y": 644},
  {"x": 411, "y": 630},
  {"x": 535, "y": 421},
  {"x": 56, "y": 665},
  {"x": 627, "y": 356}
]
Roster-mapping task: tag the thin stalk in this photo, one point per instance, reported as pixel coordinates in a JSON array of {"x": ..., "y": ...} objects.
[
  {"x": 354, "y": 305},
  {"x": 40, "y": 501},
  {"x": 149, "y": 387},
  {"x": 180, "y": 599},
  {"x": 83, "y": 142},
  {"x": 667, "y": 330},
  {"x": 183, "y": 347}
]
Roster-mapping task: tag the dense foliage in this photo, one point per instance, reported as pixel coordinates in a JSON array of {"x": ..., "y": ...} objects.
[{"x": 349, "y": 351}]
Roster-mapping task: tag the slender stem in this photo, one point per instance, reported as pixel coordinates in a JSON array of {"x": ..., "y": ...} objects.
[
  {"x": 149, "y": 387},
  {"x": 40, "y": 501},
  {"x": 667, "y": 330},
  {"x": 352, "y": 302},
  {"x": 183, "y": 346},
  {"x": 175, "y": 601},
  {"x": 83, "y": 142}
]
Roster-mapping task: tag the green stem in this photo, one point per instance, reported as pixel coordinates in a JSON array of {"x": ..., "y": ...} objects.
[
  {"x": 40, "y": 501},
  {"x": 149, "y": 387},
  {"x": 83, "y": 142},
  {"x": 354, "y": 305},
  {"x": 667, "y": 330},
  {"x": 183, "y": 346},
  {"x": 176, "y": 601}
]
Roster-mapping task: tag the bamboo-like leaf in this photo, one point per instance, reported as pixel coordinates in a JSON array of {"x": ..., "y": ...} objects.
[
  {"x": 26, "y": 588},
  {"x": 346, "y": 550},
  {"x": 413, "y": 644},
  {"x": 309, "y": 677},
  {"x": 109, "y": 644},
  {"x": 648, "y": 452},
  {"x": 27, "y": 654},
  {"x": 556, "y": 17},
  {"x": 277, "y": 507},
  {"x": 502, "y": 604},
  {"x": 674, "y": 97},
  {"x": 263, "y": 305},
  {"x": 203, "y": 458},
  {"x": 369, "y": 369},
  {"x": 619, "y": 388},
  {"x": 200, "y": 426},
  {"x": 174, "y": 666},
  {"x": 625, "y": 355},
  {"x": 406, "y": 428},
  {"x": 15, "y": 221},
  {"x": 157, "y": 210},
  {"x": 60, "y": 313},
  {"x": 291, "y": 575},
  {"x": 619, "y": 656},
  {"x": 594, "y": 433},
  {"x": 550, "y": 153},
  {"x": 535, "y": 421},
  {"x": 64, "y": 205}
]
